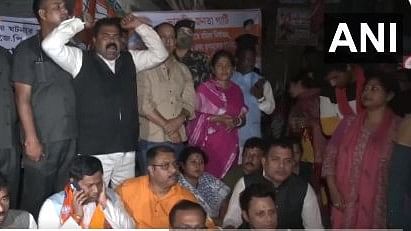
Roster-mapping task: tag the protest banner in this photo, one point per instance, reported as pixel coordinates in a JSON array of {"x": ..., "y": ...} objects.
[{"x": 14, "y": 30}]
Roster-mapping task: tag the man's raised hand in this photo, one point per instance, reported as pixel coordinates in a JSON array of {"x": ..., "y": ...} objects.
[{"x": 130, "y": 22}]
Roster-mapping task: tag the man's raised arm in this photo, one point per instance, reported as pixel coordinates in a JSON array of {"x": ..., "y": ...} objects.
[
  {"x": 67, "y": 57},
  {"x": 156, "y": 52}
]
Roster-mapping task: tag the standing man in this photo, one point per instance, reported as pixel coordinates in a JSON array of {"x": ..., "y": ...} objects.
[
  {"x": 9, "y": 151},
  {"x": 258, "y": 94},
  {"x": 342, "y": 96},
  {"x": 165, "y": 99},
  {"x": 105, "y": 85},
  {"x": 196, "y": 61},
  {"x": 46, "y": 106}
]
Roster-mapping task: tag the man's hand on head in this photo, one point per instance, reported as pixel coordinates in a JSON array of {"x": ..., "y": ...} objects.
[
  {"x": 88, "y": 21},
  {"x": 130, "y": 22}
]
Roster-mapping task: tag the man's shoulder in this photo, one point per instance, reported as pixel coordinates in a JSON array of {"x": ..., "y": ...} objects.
[
  {"x": 17, "y": 219},
  {"x": 17, "y": 212},
  {"x": 30, "y": 43},
  {"x": 183, "y": 193},
  {"x": 133, "y": 184},
  {"x": 56, "y": 199}
]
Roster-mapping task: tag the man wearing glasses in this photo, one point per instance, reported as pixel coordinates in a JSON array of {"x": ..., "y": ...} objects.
[{"x": 149, "y": 199}]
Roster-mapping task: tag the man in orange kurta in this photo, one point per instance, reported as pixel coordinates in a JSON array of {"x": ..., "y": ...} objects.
[{"x": 149, "y": 199}]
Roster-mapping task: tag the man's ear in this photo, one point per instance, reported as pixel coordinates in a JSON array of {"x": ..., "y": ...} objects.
[
  {"x": 150, "y": 170},
  {"x": 42, "y": 14},
  {"x": 244, "y": 215}
]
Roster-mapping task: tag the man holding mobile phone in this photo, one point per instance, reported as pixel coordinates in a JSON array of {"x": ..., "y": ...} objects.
[
  {"x": 85, "y": 201},
  {"x": 258, "y": 94}
]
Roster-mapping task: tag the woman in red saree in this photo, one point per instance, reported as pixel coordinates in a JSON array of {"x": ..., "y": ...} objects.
[
  {"x": 220, "y": 111},
  {"x": 357, "y": 159}
]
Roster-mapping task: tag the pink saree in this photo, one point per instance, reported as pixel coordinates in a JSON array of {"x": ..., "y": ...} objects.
[
  {"x": 220, "y": 145},
  {"x": 359, "y": 158}
]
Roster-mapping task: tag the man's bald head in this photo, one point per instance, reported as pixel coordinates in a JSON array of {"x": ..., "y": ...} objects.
[{"x": 167, "y": 33}]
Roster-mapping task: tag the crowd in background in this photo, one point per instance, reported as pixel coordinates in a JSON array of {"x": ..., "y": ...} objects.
[{"x": 165, "y": 137}]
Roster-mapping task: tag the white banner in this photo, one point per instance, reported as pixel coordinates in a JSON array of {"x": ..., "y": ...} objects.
[
  {"x": 15, "y": 30},
  {"x": 206, "y": 19},
  {"x": 214, "y": 29}
]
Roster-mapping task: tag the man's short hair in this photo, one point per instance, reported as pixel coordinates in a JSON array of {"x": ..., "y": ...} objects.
[
  {"x": 255, "y": 142},
  {"x": 184, "y": 205},
  {"x": 156, "y": 28},
  {"x": 255, "y": 190},
  {"x": 340, "y": 67},
  {"x": 248, "y": 22},
  {"x": 107, "y": 22},
  {"x": 283, "y": 142},
  {"x": 240, "y": 51},
  {"x": 37, "y": 4},
  {"x": 3, "y": 182},
  {"x": 84, "y": 165},
  {"x": 153, "y": 152}
]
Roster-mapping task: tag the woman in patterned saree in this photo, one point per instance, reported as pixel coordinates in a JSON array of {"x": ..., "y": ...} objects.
[
  {"x": 220, "y": 111},
  {"x": 210, "y": 192},
  {"x": 357, "y": 159}
]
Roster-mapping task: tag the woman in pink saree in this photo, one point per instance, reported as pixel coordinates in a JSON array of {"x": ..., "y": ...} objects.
[
  {"x": 357, "y": 160},
  {"x": 220, "y": 111}
]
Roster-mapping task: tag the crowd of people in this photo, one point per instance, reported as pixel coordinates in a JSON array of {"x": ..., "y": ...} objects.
[{"x": 165, "y": 137}]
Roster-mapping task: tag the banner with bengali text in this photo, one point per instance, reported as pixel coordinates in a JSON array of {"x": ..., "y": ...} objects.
[
  {"x": 215, "y": 29},
  {"x": 14, "y": 30}
]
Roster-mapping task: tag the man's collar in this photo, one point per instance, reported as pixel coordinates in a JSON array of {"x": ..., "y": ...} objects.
[{"x": 106, "y": 60}]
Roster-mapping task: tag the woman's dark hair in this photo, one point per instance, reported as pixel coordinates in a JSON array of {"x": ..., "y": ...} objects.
[
  {"x": 188, "y": 151},
  {"x": 387, "y": 81},
  {"x": 306, "y": 78},
  {"x": 220, "y": 54},
  {"x": 390, "y": 85}
]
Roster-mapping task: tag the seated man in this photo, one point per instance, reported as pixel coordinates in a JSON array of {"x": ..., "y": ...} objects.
[
  {"x": 258, "y": 208},
  {"x": 85, "y": 201},
  {"x": 297, "y": 204},
  {"x": 254, "y": 149},
  {"x": 149, "y": 199},
  {"x": 11, "y": 218},
  {"x": 187, "y": 215}
]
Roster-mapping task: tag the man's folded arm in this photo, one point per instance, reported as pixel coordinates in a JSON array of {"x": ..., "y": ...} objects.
[{"x": 67, "y": 57}]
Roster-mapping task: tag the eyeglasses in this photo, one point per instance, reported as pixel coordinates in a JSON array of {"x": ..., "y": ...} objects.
[{"x": 166, "y": 166}]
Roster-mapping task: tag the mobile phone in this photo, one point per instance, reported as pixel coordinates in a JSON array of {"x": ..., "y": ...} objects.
[{"x": 75, "y": 186}]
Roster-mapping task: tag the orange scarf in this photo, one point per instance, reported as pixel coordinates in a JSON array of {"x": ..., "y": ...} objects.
[{"x": 98, "y": 220}]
